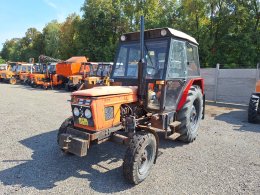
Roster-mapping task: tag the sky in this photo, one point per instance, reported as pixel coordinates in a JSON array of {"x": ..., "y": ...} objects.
[{"x": 16, "y": 16}]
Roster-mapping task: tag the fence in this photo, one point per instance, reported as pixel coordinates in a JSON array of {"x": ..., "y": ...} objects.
[{"x": 230, "y": 85}]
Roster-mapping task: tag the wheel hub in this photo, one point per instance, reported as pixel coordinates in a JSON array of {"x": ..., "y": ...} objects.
[{"x": 193, "y": 116}]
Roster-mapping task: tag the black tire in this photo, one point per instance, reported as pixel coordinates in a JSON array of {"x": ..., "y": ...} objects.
[
  {"x": 190, "y": 115},
  {"x": 253, "y": 110},
  {"x": 67, "y": 87},
  {"x": 63, "y": 128},
  {"x": 12, "y": 81},
  {"x": 139, "y": 157},
  {"x": 33, "y": 85}
]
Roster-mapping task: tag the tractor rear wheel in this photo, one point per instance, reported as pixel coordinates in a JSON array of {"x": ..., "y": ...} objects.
[
  {"x": 139, "y": 157},
  {"x": 190, "y": 115},
  {"x": 253, "y": 110},
  {"x": 12, "y": 81}
]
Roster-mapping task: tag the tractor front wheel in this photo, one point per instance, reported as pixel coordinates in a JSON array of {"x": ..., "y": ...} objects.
[
  {"x": 12, "y": 81},
  {"x": 139, "y": 157},
  {"x": 190, "y": 115},
  {"x": 253, "y": 109},
  {"x": 63, "y": 129}
]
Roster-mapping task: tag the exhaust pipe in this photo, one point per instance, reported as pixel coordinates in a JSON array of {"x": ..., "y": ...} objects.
[{"x": 141, "y": 64}]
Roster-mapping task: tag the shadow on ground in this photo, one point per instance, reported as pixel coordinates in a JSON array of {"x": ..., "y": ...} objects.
[
  {"x": 49, "y": 166},
  {"x": 38, "y": 88},
  {"x": 236, "y": 115}
]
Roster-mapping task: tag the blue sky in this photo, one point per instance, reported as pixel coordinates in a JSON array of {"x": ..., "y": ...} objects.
[{"x": 16, "y": 16}]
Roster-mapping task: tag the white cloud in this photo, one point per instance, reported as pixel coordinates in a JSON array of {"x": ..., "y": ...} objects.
[{"x": 51, "y": 4}]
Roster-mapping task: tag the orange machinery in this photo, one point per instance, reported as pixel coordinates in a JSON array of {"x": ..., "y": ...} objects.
[{"x": 63, "y": 70}]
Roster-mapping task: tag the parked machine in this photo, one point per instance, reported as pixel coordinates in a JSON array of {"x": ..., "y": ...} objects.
[
  {"x": 21, "y": 77},
  {"x": 12, "y": 75},
  {"x": 254, "y": 105},
  {"x": 157, "y": 88},
  {"x": 63, "y": 71},
  {"x": 90, "y": 75},
  {"x": 8, "y": 73},
  {"x": 43, "y": 71},
  {"x": 3, "y": 68}
]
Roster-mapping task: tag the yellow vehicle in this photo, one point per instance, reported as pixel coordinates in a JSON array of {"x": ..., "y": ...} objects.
[
  {"x": 3, "y": 68},
  {"x": 13, "y": 76}
]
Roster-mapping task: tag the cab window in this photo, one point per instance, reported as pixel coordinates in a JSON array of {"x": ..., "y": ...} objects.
[
  {"x": 192, "y": 60},
  {"x": 177, "y": 60}
]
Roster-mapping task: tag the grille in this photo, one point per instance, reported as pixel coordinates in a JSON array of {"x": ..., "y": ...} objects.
[
  {"x": 109, "y": 113},
  {"x": 81, "y": 115}
]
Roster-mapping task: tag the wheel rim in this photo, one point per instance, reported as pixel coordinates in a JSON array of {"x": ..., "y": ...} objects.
[
  {"x": 193, "y": 117},
  {"x": 145, "y": 160}
]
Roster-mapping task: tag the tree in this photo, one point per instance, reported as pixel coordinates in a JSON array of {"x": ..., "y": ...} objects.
[{"x": 51, "y": 38}]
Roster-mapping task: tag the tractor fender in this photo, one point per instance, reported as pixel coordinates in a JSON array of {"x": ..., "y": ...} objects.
[{"x": 196, "y": 81}]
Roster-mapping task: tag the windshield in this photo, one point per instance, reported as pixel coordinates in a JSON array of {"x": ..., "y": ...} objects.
[
  {"x": 14, "y": 68},
  {"x": 51, "y": 68},
  {"x": 103, "y": 70},
  {"x": 19, "y": 68},
  {"x": 89, "y": 69},
  {"x": 2, "y": 67},
  {"x": 23, "y": 68},
  {"x": 36, "y": 68},
  {"x": 129, "y": 55}
]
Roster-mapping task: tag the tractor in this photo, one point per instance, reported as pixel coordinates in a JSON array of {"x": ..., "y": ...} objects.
[
  {"x": 26, "y": 70},
  {"x": 43, "y": 70},
  {"x": 87, "y": 69},
  {"x": 155, "y": 87},
  {"x": 12, "y": 75},
  {"x": 90, "y": 75},
  {"x": 3, "y": 68},
  {"x": 254, "y": 105}
]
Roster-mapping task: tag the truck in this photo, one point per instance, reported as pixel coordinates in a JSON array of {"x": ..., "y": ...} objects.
[{"x": 63, "y": 69}]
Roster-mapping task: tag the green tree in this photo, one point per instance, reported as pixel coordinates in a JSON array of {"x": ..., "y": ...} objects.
[{"x": 51, "y": 38}]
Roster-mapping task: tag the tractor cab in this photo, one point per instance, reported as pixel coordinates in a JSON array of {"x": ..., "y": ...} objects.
[
  {"x": 51, "y": 68},
  {"x": 170, "y": 61},
  {"x": 88, "y": 69},
  {"x": 25, "y": 71},
  {"x": 104, "y": 69}
]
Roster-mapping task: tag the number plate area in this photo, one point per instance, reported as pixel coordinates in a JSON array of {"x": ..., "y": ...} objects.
[{"x": 83, "y": 121}]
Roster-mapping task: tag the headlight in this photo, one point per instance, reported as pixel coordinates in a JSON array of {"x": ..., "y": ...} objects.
[
  {"x": 123, "y": 38},
  {"x": 76, "y": 111},
  {"x": 88, "y": 113},
  {"x": 163, "y": 32}
]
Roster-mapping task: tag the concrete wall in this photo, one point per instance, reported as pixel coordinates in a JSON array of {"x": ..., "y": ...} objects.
[{"x": 229, "y": 85}]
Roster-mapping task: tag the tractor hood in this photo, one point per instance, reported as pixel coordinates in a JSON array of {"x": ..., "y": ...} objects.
[{"x": 106, "y": 90}]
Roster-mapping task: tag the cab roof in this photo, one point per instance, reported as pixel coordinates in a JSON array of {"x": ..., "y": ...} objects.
[
  {"x": 156, "y": 33},
  {"x": 77, "y": 59}
]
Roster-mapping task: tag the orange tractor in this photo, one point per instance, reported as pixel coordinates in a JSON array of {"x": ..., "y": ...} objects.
[
  {"x": 90, "y": 75},
  {"x": 43, "y": 70},
  {"x": 254, "y": 105},
  {"x": 58, "y": 77},
  {"x": 159, "y": 89},
  {"x": 3, "y": 68},
  {"x": 12, "y": 74}
]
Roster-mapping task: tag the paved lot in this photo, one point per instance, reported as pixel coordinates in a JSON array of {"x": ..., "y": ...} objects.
[{"x": 225, "y": 158}]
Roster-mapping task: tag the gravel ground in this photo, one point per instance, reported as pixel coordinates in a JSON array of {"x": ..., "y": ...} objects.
[{"x": 224, "y": 159}]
